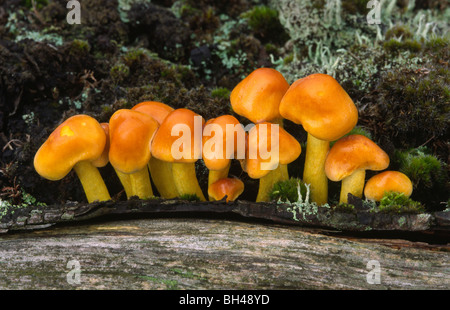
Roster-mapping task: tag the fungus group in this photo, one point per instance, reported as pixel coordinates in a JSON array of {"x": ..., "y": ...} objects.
[{"x": 153, "y": 144}]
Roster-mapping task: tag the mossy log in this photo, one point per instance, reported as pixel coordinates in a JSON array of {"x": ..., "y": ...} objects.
[
  {"x": 35, "y": 217},
  {"x": 211, "y": 254}
]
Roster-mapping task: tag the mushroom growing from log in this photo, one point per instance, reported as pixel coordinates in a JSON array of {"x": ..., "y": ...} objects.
[
  {"x": 232, "y": 188},
  {"x": 327, "y": 113},
  {"x": 348, "y": 160},
  {"x": 75, "y": 144},
  {"x": 387, "y": 181},
  {"x": 267, "y": 150},
  {"x": 257, "y": 98},
  {"x": 160, "y": 171},
  {"x": 223, "y": 137},
  {"x": 131, "y": 133},
  {"x": 179, "y": 141}
]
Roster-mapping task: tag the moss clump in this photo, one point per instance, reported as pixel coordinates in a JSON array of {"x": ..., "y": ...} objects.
[
  {"x": 427, "y": 173},
  {"x": 119, "y": 72},
  {"x": 395, "y": 46},
  {"x": 189, "y": 197},
  {"x": 398, "y": 203},
  {"x": 287, "y": 191},
  {"x": 221, "y": 93},
  {"x": 264, "y": 21},
  {"x": 345, "y": 208}
]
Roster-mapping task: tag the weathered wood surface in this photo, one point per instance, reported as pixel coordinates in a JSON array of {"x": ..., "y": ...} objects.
[{"x": 212, "y": 253}]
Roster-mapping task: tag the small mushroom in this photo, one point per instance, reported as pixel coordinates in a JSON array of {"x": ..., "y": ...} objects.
[
  {"x": 176, "y": 142},
  {"x": 232, "y": 188},
  {"x": 131, "y": 133},
  {"x": 387, "y": 181},
  {"x": 327, "y": 113},
  {"x": 348, "y": 160},
  {"x": 221, "y": 140},
  {"x": 160, "y": 171},
  {"x": 264, "y": 154},
  {"x": 75, "y": 144}
]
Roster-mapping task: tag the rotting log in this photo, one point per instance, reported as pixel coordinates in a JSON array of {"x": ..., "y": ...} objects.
[
  {"x": 35, "y": 217},
  {"x": 210, "y": 254}
]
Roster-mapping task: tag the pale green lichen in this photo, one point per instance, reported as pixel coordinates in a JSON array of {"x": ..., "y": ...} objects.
[{"x": 302, "y": 209}]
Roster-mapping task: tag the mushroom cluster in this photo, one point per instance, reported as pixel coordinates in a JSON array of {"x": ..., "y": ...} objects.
[{"x": 153, "y": 143}]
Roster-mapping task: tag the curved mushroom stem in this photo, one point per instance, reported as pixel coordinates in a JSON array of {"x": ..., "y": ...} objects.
[
  {"x": 161, "y": 172},
  {"x": 314, "y": 173},
  {"x": 353, "y": 184},
  {"x": 267, "y": 182},
  {"x": 125, "y": 180},
  {"x": 140, "y": 184},
  {"x": 185, "y": 179},
  {"x": 216, "y": 175},
  {"x": 92, "y": 182}
]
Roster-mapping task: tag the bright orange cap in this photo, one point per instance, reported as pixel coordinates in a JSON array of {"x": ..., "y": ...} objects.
[
  {"x": 155, "y": 109},
  {"x": 103, "y": 160},
  {"x": 387, "y": 181},
  {"x": 230, "y": 187},
  {"x": 222, "y": 136},
  {"x": 321, "y": 105},
  {"x": 131, "y": 133},
  {"x": 179, "y": 137},
  {"x": 79, "y": 138},
  {"x": 352, "y": 153},
  {"x": 261, "y": 155},
  {"x": 258, "y": 96}
]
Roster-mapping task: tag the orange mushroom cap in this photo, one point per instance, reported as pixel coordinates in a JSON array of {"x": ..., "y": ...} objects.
[
  {"x": 230, "y": 187},
  {"x": 258, "y": 96},
  {"x": 224, "y": 150},
  {"x": 155, "y": 109},
  {"x": 103, "y": 160},
  {"x": 131, "y": 133},
  {"x": 387, "y": 181},
  {"x": 352, "y": 153},
  {"x": 79, "y": 138},
  {"x": 321, "y": 106},
  {"x": 260, "y": 135},
  {"x": 164, "y": 140}
]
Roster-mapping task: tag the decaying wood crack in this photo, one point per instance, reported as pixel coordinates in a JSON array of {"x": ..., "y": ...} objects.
[{"x": 35, "y": 217}]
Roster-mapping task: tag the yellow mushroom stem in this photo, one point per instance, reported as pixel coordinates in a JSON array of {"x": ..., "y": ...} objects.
[
  {"x": 185, "y": 179},
  {"x": 314, "y": 171},
  {"x": 161, "y": 172},
  {"x": 125, "y": 180},
  {"x": 140, "y": 184},
  {"x": 353, "y": 184},
  {"x": 267, "y": 182},
  {"x": 92, "y": 182},
  {"x": 216, "y": 175},
  {"x": 136, "y": 183}
]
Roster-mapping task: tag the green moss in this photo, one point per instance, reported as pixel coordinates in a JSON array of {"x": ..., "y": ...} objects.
[
  {"x": 287, "y": 191},
  {"x": 398, "y": 203},
  {"x": 263, "y": 20},
  {"x": 344, "y": 207},
  {"x": 119, "y": 72},
  {"x": 189, "y": 197},
  {"x": 396, "y": 46},
  {"x": 79, "y": 47},
  {"x": 39, "y": 3},
  {"x": 427, "y": 173},
  {"x": 220, "y": 93}
]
